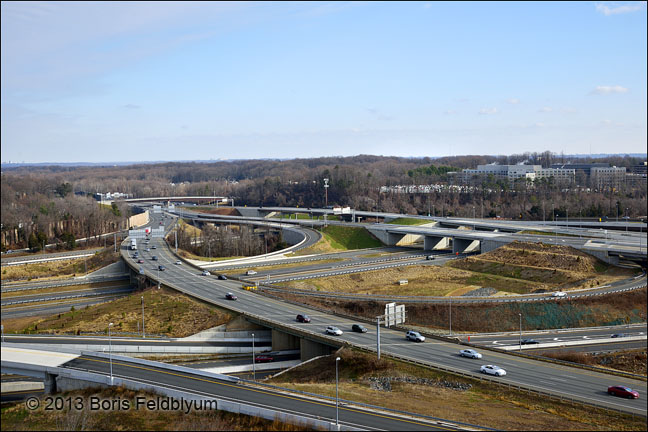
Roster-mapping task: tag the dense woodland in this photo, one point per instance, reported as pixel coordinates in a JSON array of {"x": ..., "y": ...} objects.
[{"x": 54, "y": 203}]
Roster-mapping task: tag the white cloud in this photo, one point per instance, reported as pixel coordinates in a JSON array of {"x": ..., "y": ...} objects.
[
  {"x": 513, "y": 101},
  {"x": 449, "y": 112},
  {"x": 609, "y": 89},
  {"x": 545, "y": 109},
  {"x": 488, "y": 111},
  {"x": 614, "y": 8}
]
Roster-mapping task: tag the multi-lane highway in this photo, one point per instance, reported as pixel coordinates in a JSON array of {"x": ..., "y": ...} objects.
[
  {"x": 563, "y": 381},
  {"x": 320, "y": 408}
]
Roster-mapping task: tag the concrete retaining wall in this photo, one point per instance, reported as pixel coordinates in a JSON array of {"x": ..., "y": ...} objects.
[{"x": 139, "y": 220}]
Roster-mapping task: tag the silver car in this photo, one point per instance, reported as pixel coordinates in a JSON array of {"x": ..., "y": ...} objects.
[
  {"x": 492, "y": 370},
  {"x": 333, "y": 331},
  {"x": 470, "y": 353}
]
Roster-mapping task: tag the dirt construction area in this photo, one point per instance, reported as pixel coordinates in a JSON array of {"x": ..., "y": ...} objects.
[{"x": 517, "y": 268}]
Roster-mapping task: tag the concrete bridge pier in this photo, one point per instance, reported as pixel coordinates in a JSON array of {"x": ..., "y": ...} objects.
[
  {"x": 309, "y": 349},
  {"x": 435, "y": 243},
  {"x": 460, "y": 245},
  {"x": 50, "y": 383},
  {"x": 283, "y": 341},
  {"x": 386, "y": 237}
]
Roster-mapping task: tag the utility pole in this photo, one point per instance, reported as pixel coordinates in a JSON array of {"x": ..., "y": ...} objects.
[
  {"x": 378, "y": 336},
  {"x": 326, "y": 186},
  {"x": 143, "y": 332}
]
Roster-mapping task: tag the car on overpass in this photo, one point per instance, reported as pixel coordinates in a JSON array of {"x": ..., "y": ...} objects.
[
  {"x": 205, "y": 273},
  {"x": 222, "y": 277},
  {"x": 559, "y": 294},
  {"x": 414, "y": 336},
  {"x": 303, "y": 318},
  {"x": 332, "y": 330},
  {"x": 230, "y": 296},
  {"x": 492, "y": 370},
  {"x": 359, "y": 328},
  {"x": 529, "y": 342}
]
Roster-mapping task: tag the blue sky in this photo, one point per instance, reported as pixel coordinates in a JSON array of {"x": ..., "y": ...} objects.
[{"x": 142, "y": 81}]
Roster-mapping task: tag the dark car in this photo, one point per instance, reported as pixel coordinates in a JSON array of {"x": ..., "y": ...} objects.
[
  {"x": 303, "y": 318},
  {"x": 222, "y": 277},
  {"x": 359, "y": 328},
  {"x": 529, "y": 341},
  {"x": 154, "y": 258},
  {"x": 153, "y": 247},
  {"x": 623, "y": 391},
  {"x": 230, "y": 296},
  {"x": 263, "y": 358},
  {"x": 618, "y": 335},
  {"x": 161, "y": 268}
]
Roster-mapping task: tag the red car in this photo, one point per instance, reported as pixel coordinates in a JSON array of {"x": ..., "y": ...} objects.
[
  {"x": 263, "y": 358},
  {"x": 623, "y": 391},
  {"x": 303, "y": 318},
  {"x": 230, "y": 296}
]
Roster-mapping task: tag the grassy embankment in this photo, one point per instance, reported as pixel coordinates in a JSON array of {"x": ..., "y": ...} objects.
[
  {"x": 166, "y": 312},
  {"x": 425, "y": 391},
  {"x": 18, "y": 417},
  {"x": 340, "y": 238},
  {"x": 60, "y": 268}
]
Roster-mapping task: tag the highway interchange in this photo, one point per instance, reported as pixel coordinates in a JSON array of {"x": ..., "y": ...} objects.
[{"x": 567, "y": 382}]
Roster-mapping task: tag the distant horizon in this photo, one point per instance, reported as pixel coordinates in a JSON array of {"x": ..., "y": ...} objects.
[{"x": 124, "y": 163}]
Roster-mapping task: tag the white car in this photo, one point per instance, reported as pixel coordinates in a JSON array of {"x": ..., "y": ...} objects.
[
  {"x": 559, "y": 294},
  {"x": 414, "y": 336},
  {"x": 206, "y": 273},
  {"x": 250, "y": 272},
  {"x": 492, "y": 370},
  {"x": 333, "y": 331},
  {"x": 470, "y": 353},
  {"x": 178, "y": 262}
]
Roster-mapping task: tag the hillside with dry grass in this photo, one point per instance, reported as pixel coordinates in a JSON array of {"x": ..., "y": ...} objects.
[
  {"x": 549, "y": 267},
  {"x": 166, "y": 312},
  {"x": 605, "y": 310},
  {"x": 517, "y": 268}
]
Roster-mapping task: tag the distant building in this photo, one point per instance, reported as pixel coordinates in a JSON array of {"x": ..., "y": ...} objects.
[
  {"x": 516, "y": 172},
  {"x": 607, "y": 177},
  {"x": 581, "y": 167},
  {"x": 642, "y": 168}
]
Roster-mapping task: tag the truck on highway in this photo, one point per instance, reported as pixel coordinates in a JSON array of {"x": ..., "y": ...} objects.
[{"x": 133, "y": 244}]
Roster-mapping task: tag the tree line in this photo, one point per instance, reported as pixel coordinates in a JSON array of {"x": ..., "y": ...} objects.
[{"x": 57, "y": 201}]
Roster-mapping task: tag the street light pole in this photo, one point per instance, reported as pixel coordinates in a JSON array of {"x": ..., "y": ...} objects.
[
  {"x": 378, "y": 336},
  {"x": 110, "y": 352},
  {"x": 253, "y": 360},
  {"x": 450, "y": 303},
  {"x": 143, "y": 332},
  {"x": 520, "y": 332},
  {"x": 337, "y": 400}
]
